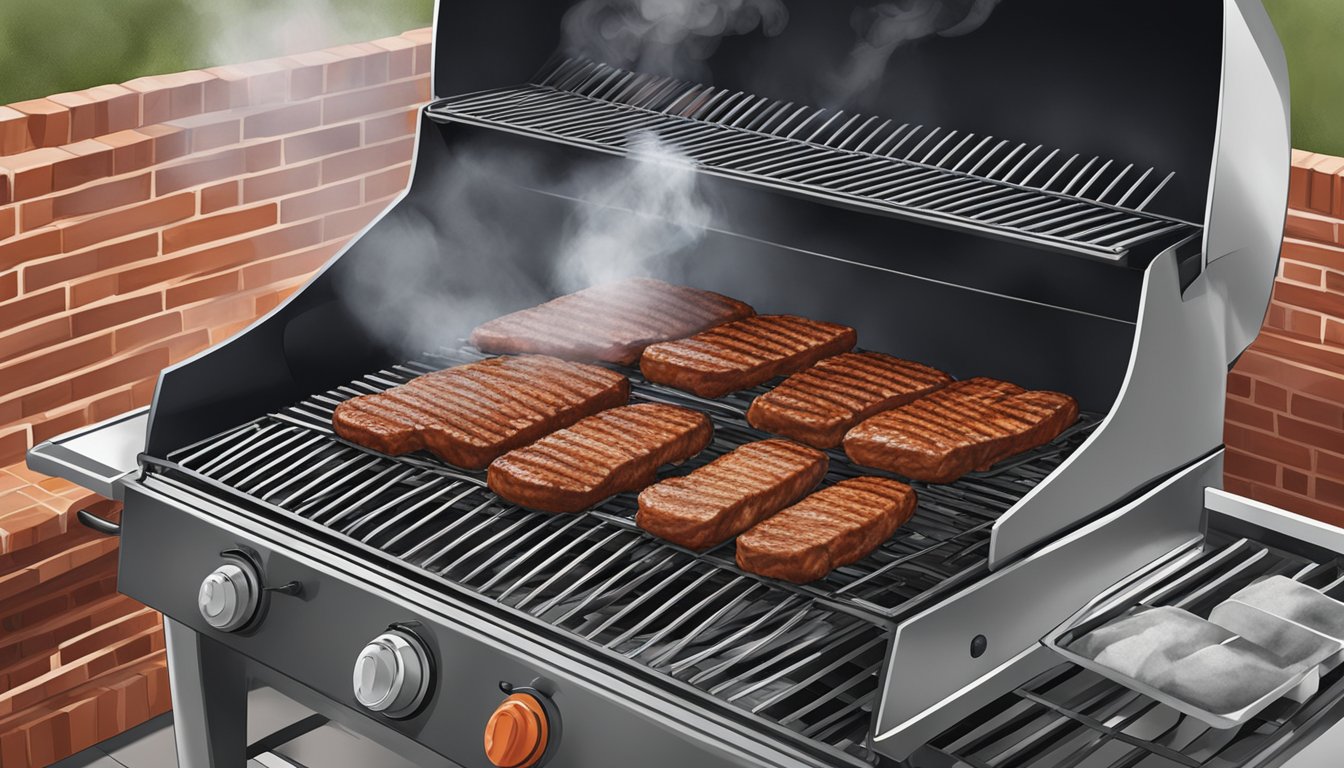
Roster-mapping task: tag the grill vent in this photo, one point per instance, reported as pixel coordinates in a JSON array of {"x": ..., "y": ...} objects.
[{"x": 1093, "y": 206}]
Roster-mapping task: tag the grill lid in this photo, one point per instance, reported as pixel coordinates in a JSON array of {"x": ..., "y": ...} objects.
[{"x": 1126, "y": 87}]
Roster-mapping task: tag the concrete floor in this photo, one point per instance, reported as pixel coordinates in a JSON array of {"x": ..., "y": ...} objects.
[{"x": 329, "y": 746}]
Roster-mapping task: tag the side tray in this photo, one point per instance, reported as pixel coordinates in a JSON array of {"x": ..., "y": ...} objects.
[{"x": 98, "y": 457}]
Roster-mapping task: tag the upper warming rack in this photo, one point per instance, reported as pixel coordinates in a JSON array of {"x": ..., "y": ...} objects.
[{"x": 1096, "y": 206}]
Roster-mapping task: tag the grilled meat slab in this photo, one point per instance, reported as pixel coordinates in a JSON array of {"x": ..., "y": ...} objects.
[
  {"x": 612, "y": 322},
  {"x": 969, "y": 425},
  {"x": 744, "y": 353},
  {"x": 836, "y": 526},
  {"x": 730, "y": 494},
  {"x": 819, "y": 405},
  {"x": 470, "y": 414},
  {"x": 603, "y": 455}
]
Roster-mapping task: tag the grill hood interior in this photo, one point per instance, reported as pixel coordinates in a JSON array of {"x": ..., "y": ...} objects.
[{"x": 1136, "y": 81}]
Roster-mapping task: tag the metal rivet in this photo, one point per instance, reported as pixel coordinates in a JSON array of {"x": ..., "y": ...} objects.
[{"x": 979, "y": 644}]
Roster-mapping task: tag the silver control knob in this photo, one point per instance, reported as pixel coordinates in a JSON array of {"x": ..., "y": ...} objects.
[
  {"x": 228, "y": 597},
  {"x": 392, "y": 674}
]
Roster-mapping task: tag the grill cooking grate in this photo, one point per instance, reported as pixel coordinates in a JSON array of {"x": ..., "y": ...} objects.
[
  {"x": 805, "y": 657},
  {"x": 1070, "y": 717},
  {"x": 1094, "y": 206}
]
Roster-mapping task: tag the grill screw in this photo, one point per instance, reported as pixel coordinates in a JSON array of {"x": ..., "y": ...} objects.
[{"x": 979, "y": 644}]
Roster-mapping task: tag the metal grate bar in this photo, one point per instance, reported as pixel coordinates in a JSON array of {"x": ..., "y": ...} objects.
[{"x": 595, "y": 105}]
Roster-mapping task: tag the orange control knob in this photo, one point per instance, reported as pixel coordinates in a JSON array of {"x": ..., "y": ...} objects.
[{"x": 516, "y": 735}]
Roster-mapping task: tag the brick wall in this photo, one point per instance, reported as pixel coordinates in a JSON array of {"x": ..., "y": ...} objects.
[
  {"x": 1285, "y": 404},
  {"x": 139, "y": 224}
]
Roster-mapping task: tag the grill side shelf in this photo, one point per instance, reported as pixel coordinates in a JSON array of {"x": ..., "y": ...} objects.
[{"x": 1094, "y": 207}]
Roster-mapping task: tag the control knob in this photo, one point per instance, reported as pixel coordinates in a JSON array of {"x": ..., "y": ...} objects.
[
  {"x": 392, "y": 674},
  {"x": 229, "y": 596},
  {"x": 523, "y": 730}
]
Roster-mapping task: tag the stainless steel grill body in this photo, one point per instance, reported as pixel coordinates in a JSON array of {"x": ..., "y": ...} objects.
[{"x": 1129, "y": 267}]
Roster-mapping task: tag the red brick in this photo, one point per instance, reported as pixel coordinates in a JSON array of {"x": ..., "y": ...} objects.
[
  {"x": 9, "y": 285},
  {"x": 1309, "y": 298},
  {"x": 14, "y": 749},
  {"x": 30, "y": 172},
  {"x": 1299, "y": 179},
  {"x": 101, "y": 197},
  {"x": 1295, "y": 482},
  {"x": 38, "y": 336},
  {"x": 131, "y": 150},
  {"x": 401, "y": 56},
  {"x": 366, "y": 160},
  {"x": 391, "y": 126},
  {"x": 30, "y": 307},
  {"x": 1311, "y": 226},
  {"x": 170, "y": 142},
  {"x": 1313, "y": 354},
  {"x": 126, "y": 370},
  {"x": 346, "y": 71},
  {"x": 260, "y": 157},
  {"x": 31, "y": 525},
  {"x": 285, "y": 181},
  {"x": 1240, "y": 464},
  {"x": 308, "y": 76},
  {"x": 29, "y": 247},
  {"x": 203, "y": 288},
  {"x": 385, "y": 184},
  {"x": 119, "y": 312},
  {"x": 116, "y": 108},
  {"x": 1307, "y": 325},
  {"x": 147, "y": 331},
  {"x": 318, "y": 202},
  {"x": 7, "y": 224},
  {"x": 48, "y": 122},
  {"x": 300, "y": 264},
  {"x": 219, "y": 227},
  {"x": 1301, "y": 273},
  {"x": 14, "y": 443},
  {"x": 345, "y": 223},
  {"x": 422, "y": 39},
  {"x": 132, "y": 219},
  {"x": 1330, "y": 492},
  {"x": 53, "y": 363},
  {"x": 1267, "y": 446},
  {"x": 327, "y": 141},
  {"x": 1323, "y": 183},
  {"x": 1318, "y": 254},
  {"x": 219, "y": 197},
  {"x": 341, "y": 107},
  {"x": 1334, "y": 282},
  {"x": 281, "y": 120},
  {"x": 267, "y": 81},
  {"x": 210, "y": 130},
  {"x": 228, "y": 89},
  {"x": 111, "y": 404},
  {"x": 14, "y": 136},
  {"x": 200, "y": 170},
  {"x": 82, "y": 122},
  {"x": 1309, "y": 434},
  {"x": 1334, "y": 332},
  {"x": 91, "y": 160},
  {"x": 88, "y": 291},
  {"x": 36, "y": 214}
]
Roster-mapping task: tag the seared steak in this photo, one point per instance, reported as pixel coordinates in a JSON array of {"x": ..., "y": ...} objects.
[
  {"x": 470, "y": 414},
  {"x": 612, "y": 322},
  {"x": 969, "y": 425},
  {"x": 744, "y": 353},
  {"x": 603, "y": 455},
  {"x": 836, "y": 526},
  {"x": 819, "y": 405},
  {"x": 730, "y": 494}
]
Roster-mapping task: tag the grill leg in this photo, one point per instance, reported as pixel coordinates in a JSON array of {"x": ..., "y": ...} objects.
[{"x": 209, "y": 700}]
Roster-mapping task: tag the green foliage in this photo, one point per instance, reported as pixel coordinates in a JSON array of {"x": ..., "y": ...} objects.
[
  {"x": 1313, "y": 35},
  {"x": 53, "y": 46}
]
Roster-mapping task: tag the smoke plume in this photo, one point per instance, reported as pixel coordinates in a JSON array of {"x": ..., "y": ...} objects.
[
  {"x": 670, "y": 37},
  {"x": 640, "y": 217},
  {"x": 884, "y": 28}
]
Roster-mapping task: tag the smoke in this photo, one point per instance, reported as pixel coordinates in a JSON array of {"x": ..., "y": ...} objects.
[
  {"x": 670, "y": 37},
  {"x": 481, "y": 242},
  {"x": 641, "y": 217},
  {"x": 884, "y": 28}
]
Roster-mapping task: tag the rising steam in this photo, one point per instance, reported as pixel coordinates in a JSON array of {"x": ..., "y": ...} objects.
[
  {"x": 640, "y": 217},
  {"x": 886, "y": 27},
  {"x": 670, "y": 37}
]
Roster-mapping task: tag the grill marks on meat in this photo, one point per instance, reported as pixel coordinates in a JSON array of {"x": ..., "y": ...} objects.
[
  {"x": 471, "y": 414},
  {"x": 966, "y": 426},
  {"x": 730, "y": 494},
  {"x": 836, "y": 526},
  {"x": 612, "y": 452},
  {"x": 744, "y": 353},
  {"x": 612, "y": 322},
  {"x": 819, "y": 405}
]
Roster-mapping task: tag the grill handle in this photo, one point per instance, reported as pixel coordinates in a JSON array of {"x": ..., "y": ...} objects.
[{"x": 99, "y": 524}]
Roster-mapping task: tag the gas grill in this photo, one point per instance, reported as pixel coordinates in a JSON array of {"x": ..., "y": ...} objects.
[{"x": 1101, "y": 216}]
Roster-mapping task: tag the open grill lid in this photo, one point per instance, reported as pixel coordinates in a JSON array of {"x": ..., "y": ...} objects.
[{"x": 1108, "y": 110}]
